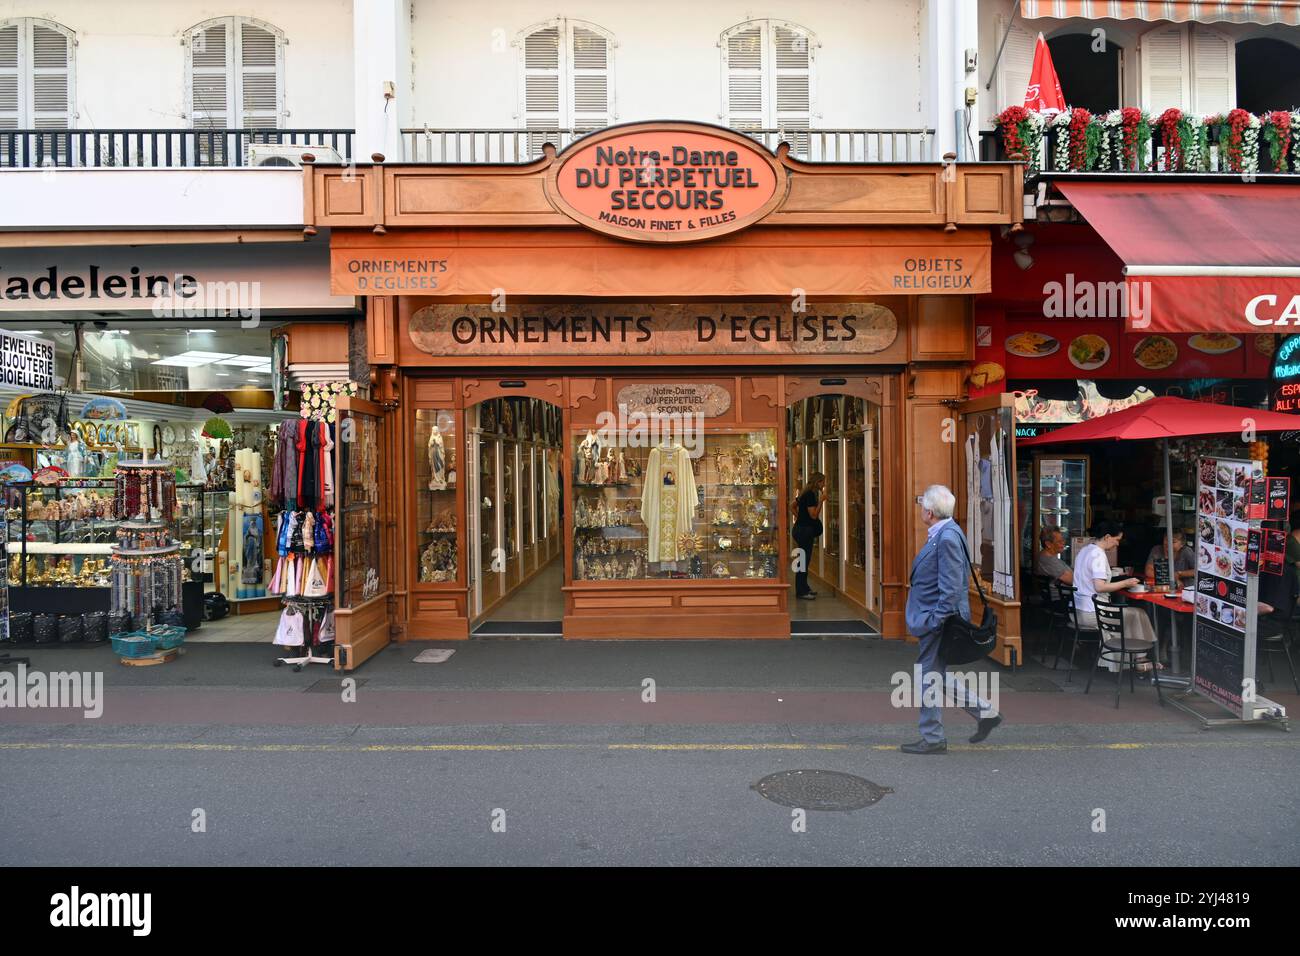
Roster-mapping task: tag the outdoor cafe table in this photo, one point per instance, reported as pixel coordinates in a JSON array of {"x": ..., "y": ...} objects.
[{"x": 1175, "y": 605}]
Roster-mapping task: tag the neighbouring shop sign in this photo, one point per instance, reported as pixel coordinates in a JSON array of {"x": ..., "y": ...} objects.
[
  {"x": 26, "y": 362},
  {"x": 1225, "y": 604},
  {"x": 666, "y": 182},
  {"x": 645, "y": 329},
  {"x": 675, "y": 399}
]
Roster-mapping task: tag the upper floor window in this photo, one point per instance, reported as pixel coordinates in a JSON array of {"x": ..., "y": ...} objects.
[
  {"x": 235, "y": 75},
  {"x": 767, "y": 76},
  {"x": 1188, "y": 66},
  {"x": 1268, "y": 74},
  {"x": 566, "y": 76},
  {"x": 1093, "y": 73},
  {"x": 36, "y": 75}
]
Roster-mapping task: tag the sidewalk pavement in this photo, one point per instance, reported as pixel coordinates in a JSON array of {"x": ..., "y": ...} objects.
[{"x": 823, "y": 683}]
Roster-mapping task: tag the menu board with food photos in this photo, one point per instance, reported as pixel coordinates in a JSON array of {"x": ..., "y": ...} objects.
[{"x": 1224, "y": 651}]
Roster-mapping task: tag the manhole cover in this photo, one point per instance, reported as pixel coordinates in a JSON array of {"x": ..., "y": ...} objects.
[{"x": 820, "y": 790}]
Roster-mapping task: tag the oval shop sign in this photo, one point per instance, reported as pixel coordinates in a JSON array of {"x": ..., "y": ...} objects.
[{"x": 666, "y": 182}]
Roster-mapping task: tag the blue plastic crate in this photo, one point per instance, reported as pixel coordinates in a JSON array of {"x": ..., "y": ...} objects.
[
  {"x": 167, "y": 636},
  {"x": 133, "y": 644}
]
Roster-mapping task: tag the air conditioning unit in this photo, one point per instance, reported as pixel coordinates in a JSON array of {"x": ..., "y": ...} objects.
[{"x": 285, "y": 154}]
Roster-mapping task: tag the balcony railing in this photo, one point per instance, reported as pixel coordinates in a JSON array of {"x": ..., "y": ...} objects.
[
  {"x": 157, "y": 148},
  {"x": 819, "y": 146}
]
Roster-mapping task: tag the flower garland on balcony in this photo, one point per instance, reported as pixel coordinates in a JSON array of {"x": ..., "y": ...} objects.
[
  {"x": 1135, "y": 135},
  {"x": 1277, "y": 133},
  {"x": 1170, "y": 123},
  {"x": 1022, "y": 134},
  {"x": 1077, "y": 140},
  {"x": 1239, "y": 134}
]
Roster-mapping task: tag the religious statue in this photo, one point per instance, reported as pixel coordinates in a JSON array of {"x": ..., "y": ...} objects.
[{"x": 437, "y": 460}]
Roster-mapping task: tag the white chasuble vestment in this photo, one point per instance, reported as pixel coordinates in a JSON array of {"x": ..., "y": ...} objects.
[{"x": 668, "y": 509}]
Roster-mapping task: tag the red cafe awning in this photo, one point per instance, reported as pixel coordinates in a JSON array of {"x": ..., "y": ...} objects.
[
  {"x": 1200, "y": 257},
  {"x": 1222, "y": 11}
]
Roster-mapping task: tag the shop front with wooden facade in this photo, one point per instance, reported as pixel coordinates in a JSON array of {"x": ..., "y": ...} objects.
[{"x": 602, "y": 378}]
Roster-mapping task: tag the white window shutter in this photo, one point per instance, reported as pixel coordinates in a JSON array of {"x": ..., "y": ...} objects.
[
  {"x": 1016, "y": 65},
  {"x": 792, "y": 85},
  {"x": 51, "y": 72},
  {"x": 1214, "y": 72},
  {"x": 1164, "y": 64},
  {"x": 541, "y": 85},
  {"x": 589, "y": 86},
  {"x": 259, "y": 78},
  {"x": 211, "y": 65},
  {"x": 745, "y": 55},
  {"x": 11, "y": 84}
]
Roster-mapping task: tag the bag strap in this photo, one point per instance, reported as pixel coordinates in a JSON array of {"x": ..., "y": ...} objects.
[{"x": 965, "y": 550}]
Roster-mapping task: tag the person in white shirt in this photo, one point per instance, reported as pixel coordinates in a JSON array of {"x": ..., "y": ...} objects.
[{"x": 1092, "y": 577}]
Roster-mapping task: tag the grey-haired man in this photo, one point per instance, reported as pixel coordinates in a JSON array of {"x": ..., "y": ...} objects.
[{"x": 938, "y": 589}]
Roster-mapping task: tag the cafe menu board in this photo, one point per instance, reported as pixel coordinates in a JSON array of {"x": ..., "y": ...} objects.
[{"x": 1222, "y": 604}]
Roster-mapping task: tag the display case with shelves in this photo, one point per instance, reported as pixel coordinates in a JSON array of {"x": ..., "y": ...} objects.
[
  {"x": 1061, "y": 499},
  {"x": 60, "y": 536},
  {"x": 357, "y": 538},
  {"x": 437, "y": 532},
  {"x": 665, "y": 513}
]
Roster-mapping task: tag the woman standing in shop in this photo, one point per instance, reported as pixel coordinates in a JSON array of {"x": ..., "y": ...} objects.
[
  {"x": 1092, "y": 577},
  {"x": 807, "y": 510}
]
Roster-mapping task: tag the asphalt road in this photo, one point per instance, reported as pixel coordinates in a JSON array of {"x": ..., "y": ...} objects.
[{"x": 624, "y": 794}]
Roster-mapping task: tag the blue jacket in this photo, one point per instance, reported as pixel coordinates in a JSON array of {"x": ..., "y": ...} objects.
[{"x": 938, "y": 585}]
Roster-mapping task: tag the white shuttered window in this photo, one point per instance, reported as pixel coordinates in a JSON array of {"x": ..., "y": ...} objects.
[
  {"x": 36, "y": 90},
  {"x": 767, "y": 77},
  {"x": 236, "y": 74},
  {"x": 1189, "y": 66},
  {"x": 566, "y": 78}
]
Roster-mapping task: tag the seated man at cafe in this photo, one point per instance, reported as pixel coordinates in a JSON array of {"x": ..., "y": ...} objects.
[
  {"x": 1184, "y": 560},
  {"x": 1049, "y": 564}
]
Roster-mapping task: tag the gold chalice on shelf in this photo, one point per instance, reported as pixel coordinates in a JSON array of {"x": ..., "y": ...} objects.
[{"x": 754, "y": 518}]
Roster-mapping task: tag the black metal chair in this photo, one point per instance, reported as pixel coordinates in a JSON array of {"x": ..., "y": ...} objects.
[
  {"x": 1122, "y": 650},
  {"x": 1081, "y": 633},
  {"x": 1053, "y": 606},
  {"x": 1275, "y": 636}
]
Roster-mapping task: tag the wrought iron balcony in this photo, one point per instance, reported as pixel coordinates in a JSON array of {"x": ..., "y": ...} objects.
[
  {"x": 159, "y": 148},
  {"x": 427, "y": 145}
]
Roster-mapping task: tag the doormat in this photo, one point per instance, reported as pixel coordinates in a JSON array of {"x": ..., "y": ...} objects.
[
  {"x": 434, "y": 655},
  {"x": 519, "y": 629},
  {"x": 832, "y": 629}
]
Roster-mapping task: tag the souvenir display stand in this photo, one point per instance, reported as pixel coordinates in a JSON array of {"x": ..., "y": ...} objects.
[
  {"x": 145, "y": 564},
  {"x": 304, "y": 541}
]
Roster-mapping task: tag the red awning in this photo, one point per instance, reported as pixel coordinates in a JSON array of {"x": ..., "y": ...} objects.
[
  {"x": 1200, "y": 257},
  {"x": 1224, "y": 11},
  {"x": 1168, "y": 417}
]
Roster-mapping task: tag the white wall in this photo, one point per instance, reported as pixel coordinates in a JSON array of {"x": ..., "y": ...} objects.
[
  {"x": 667, "y": 63},
  {"x": 130, "y": 65}
]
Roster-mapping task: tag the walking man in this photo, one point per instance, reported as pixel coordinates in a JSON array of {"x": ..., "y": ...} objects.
[{"x": 938, "y": 590}]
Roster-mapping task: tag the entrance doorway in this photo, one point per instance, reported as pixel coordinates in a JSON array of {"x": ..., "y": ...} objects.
[
  {"x": 514, "y": 517},
  {"x": 838, "y": 437}
]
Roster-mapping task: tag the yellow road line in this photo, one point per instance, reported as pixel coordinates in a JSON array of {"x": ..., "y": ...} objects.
[{"x": 671, "y": 747}]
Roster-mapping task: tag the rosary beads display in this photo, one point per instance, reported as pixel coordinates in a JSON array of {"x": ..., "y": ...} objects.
[{"x": 146, "y": 560}]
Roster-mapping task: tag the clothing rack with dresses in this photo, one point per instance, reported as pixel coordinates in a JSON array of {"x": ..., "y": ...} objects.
[{"x": 302, "y": 484}]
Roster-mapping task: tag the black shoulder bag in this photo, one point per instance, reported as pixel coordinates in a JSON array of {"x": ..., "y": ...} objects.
[{"x": 963, "y": 642}]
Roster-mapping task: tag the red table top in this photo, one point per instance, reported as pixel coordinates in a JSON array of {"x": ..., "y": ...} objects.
[{"x": 1171, "y": 601}]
